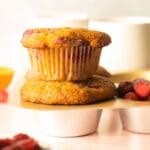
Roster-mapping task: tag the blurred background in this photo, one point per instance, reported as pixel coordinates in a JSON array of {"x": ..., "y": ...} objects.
[{"x": 15, "y": 14}]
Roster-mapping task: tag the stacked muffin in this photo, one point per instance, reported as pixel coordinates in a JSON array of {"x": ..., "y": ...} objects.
[{"x": 63, "y": 62}]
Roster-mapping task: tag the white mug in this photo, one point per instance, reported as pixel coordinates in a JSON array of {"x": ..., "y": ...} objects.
[
  {"x": 130, "y": 47},
  {"x": 76, "y": 20}
]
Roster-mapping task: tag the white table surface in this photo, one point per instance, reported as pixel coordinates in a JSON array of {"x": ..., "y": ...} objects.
[{"x": 110, "y": 135}]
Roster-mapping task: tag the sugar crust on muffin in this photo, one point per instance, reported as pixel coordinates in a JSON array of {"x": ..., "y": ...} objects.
[
  {"x": 42, "y": 38},
  {"x": 95, "y": 89}
]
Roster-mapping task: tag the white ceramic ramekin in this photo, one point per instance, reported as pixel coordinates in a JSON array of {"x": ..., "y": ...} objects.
[
  {"x": 68, "y": 123},
  {"x": 136, "y": 119}
]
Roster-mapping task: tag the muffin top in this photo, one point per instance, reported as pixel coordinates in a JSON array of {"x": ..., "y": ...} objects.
[
  {"x": 89, "y": 91},
  {"x": 42, "y": 38}
]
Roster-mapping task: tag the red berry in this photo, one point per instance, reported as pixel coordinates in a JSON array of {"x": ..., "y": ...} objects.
[
  {"x": 124, "y": 87},
  {"x": 21, "y": 136},
  {"x": 3, "y": 96},
  {"x": 30, "y": 144},
  {"x": 19, "y": 142},
  {"x": 131, "y": 96},
  {"x": 30, "y": 32},
  {"x": 25, "y": 144},
  {"x": 142, "y": 88},
  {"x": 13, "y": 147},
  {"x": 5, "y": 142}
]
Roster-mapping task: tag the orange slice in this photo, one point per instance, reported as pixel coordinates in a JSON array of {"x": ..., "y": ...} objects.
[{"x": 6, "y": 75}]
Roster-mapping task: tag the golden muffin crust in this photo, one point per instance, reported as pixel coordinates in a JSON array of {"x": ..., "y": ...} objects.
[
  {"x": 43, "y": 38},
  {"x": 95, "y": 89}
]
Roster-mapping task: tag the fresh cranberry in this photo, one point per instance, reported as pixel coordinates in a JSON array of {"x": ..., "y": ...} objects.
[
  {"x": 13, "y": 147},
  {"x": 3, "y": 96},
  {"x": 19, "y": 142},
  {"x": 124, "y": 87},
  {"x": 29, "y": 32},
  {"x": 131, "y": 96},
  {"x": 60, "y": 39},
  {"x": 142, "y": 88},
  {"x": 30, "y": 144},
  {"x": 20, "y": 136},
  {"x": 5, "y": 142}
]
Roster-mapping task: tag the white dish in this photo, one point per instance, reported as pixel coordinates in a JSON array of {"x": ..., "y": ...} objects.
[
  {"x": 68, "y": 123},
  {"x": 136, "y": 119}
]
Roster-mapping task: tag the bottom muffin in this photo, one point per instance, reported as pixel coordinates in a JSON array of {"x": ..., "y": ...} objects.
[{"x": 92, "y": 90}]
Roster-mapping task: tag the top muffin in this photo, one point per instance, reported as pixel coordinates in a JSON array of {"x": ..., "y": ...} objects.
[{"x": 43, "y": 38}]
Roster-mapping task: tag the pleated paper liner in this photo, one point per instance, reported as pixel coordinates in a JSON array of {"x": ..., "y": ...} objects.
[
  {"x": 15, "y": 100},
  {"x": 71, "y": 64}
]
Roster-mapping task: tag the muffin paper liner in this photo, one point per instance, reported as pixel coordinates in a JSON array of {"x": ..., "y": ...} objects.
[{"x": 71, "y": 64}]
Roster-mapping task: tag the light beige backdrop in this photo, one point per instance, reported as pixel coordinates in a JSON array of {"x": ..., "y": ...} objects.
[{"x": 14, "y": 15}]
